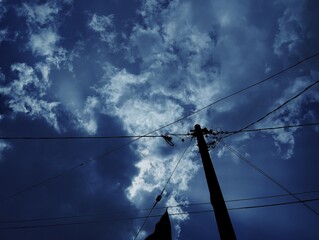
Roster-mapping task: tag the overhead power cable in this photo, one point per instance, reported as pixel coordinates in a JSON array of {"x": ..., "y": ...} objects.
[
  {"x": 237, "y": 92},
  {"x": 72, "y": 217},
  {"x": 152, "y": 216},
  {"x": 270, "y": 128},
  {"x": 73, "y": 137},
  {"x": 234, "y": 151},
  {"x": 159, "y": 197},
  {"x": 44, "y": 181},
  {"x": 276, "y": 109},
  {"x": 62, "y": 173}
]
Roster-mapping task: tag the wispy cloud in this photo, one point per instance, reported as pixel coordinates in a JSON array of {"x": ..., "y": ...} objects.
[
  {"x": 31, "y": 103},
  {"x": 104, "y": 26}
]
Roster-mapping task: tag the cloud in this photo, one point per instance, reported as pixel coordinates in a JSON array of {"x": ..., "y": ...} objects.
[
  {"x": 39, "y": 14},
  {"x": 3, "y": 147},
  {"x": 290, "y": 33},
  {"x": 3, "y": 10},
  {"x": 104, "y": 26},
  {"x": 43, "y": 23},
  {"x": 3, "y": 35},
  {"x": 86, "y": 118},
  {"x": 26, "y": 93},
  {"x": 43, "y": 43},
  {"x": 292, "y": 114}
]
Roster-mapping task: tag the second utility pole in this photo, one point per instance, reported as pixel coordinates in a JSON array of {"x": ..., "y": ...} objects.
[{"x": 225, "y": 227}]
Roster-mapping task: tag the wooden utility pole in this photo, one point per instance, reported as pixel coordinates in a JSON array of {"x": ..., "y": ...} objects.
[{"x": 225, "y": 228}]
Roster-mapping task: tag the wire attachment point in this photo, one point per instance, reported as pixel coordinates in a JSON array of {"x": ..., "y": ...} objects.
[{"x": 168, "y": 139}]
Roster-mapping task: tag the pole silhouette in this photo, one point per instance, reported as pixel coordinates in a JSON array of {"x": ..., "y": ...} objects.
[{"x": 225, "y": 227}]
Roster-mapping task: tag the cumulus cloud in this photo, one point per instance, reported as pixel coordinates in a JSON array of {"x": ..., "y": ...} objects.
[
  {"x": 292, "y": 114},
  {"x": 44, "y": 43},
  {"x": 104, "y": 26},
  {"x": 186, "y": 63},
  {"x": 43, "y": 23},
  {"x": 3, "y": 146},
  {"x": 86, "y": 118},
  {"x": 290, "y": 33},
  {"x": 3, "y": 35},
  {"x": 39, "y": 14},
  {"x": 26, "y": 93},
  {"x": 3, "y": 9}
]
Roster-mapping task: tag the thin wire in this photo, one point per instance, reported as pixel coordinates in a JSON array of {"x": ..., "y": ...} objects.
[
  {"x": 73, "y": 137},
  {"x": 272, "y": 128},
  {"x": 62, "y": 173},
  {"x": 277, "y": 108},
  {"x": 234, "y": 151},
  {"x": 237, "y": 92},
  {"x": 179, "y": 160},
  {"x": 153, "y": 131},
  {"x": 147, "y": 209},
  {"x": 153, "y": 216},
  {"x": 159, "y": 197}
]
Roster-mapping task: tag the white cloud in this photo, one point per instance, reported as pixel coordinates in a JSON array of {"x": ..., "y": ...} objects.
[
  {"x": 27, "y": 91},
  {"x": 104, "y": 26},
  {"x": 86, "y": 117},
  {"x": 2, "y": 76},
  {"x": 43, "y": 24},
  {"x": 3, "y": 35},
  {"x": 3, "y": 147},
  {"x": 44, "y": 43},
  {"x": 292, "y": 114},
  {"x": 3, "y": 10},
  {"x": 39, "y": 14},
  {"x": 291, "y": 31}
]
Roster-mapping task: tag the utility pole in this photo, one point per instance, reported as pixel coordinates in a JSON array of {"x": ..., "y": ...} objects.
[{"x": 225, "y": 228}]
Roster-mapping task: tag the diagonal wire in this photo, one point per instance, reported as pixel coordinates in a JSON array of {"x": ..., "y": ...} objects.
[
  {"x": 153, "y": 216},
  {"x": 237, "y": 92},
  {"x": 234, "y": 151},
  {"x": 153, "y": 131},
  {"x": 179, "y": 160},
  {"x": 271, "y": 128},
  {"x": 46, "y": 180},
  {"x": 276, "y": 109},
  {"x": 159, "y": 197},
  {"x": 71, "y": 217},
  {"x": 73, "y": 137}
]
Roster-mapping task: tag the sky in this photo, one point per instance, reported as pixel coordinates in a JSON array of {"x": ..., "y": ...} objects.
[{"x": 76, "y": 68}]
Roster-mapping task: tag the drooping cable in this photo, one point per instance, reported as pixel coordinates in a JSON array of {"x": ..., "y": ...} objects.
[
  {"x": 153, "y": 216},
  {"x": 234, "y": 151},
  {"x": 237, "y": 92},
  {"x": 73, "y": 137},
  {"x": 275, "y": 109},
  {"x": 271, "y": 128},
  {"x": 162, "y": 127},
  {"x": 72, "y": 217},
  {"x": 62, "y": 173},
  {"x": 159, "y": 197}
]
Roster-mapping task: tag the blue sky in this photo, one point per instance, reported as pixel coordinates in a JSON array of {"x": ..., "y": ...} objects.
[{"x": 115, "y": 68}]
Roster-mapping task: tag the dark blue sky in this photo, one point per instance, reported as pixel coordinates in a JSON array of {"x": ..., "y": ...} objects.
[{"x": 115, "y": 68}]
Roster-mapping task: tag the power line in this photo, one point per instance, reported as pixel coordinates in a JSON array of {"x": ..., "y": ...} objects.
[
  {"x": 159, "y": 197},
  {"x": 234, "y": 151},
  {"x": 270, "y": 128},
  {"x": 153, "y": 216},
  {"x": 73, "y": 137},
  {"x": 178, "y": 162},
  {"x": 147, "y": 209},
  {"x": 153, "y": 131},
  {"x": 275, "y": 109},
  {"x": 237, "y": 92},
  {"x": 62, "y": 173}
]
